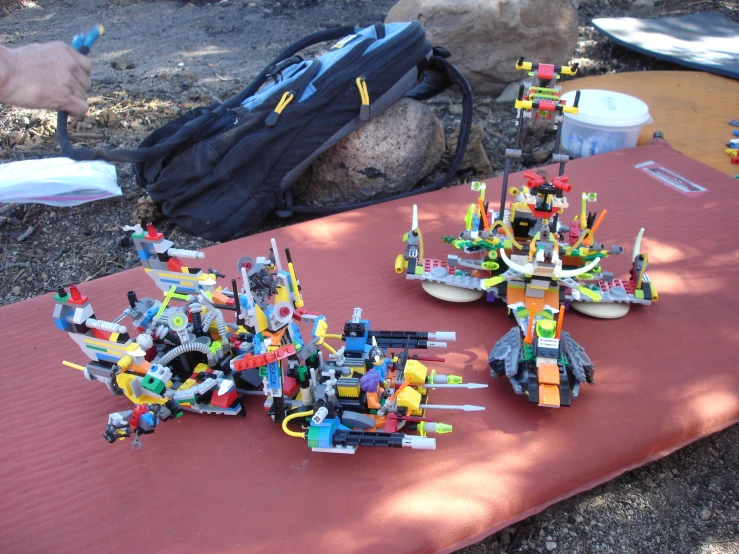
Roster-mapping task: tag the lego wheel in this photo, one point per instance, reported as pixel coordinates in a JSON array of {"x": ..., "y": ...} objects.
[
  {"x": 602, "y": 311},
  {"x": 451, "y": 294}
]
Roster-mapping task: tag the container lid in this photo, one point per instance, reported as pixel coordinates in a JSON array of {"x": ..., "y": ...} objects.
[{"x": 607, "y": 108}]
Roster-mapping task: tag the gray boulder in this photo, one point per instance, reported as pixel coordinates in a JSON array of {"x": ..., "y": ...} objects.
[
  {"x": 486, "y": 37},
  {"x": 388, "y": 155}
]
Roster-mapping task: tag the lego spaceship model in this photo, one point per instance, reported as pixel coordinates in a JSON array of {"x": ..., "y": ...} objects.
[
  {"x": 204, "y": 348},
  {"x": 538, "y": 266}
]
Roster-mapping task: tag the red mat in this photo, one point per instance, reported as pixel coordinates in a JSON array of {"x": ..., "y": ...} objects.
[{"x": 665, "y": 375}]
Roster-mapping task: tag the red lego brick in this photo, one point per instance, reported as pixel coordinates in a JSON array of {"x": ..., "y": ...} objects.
[
  {"x": 225, "y": 400},
  {"x": 152, "y": 233},
  {"x": 173, "y": 264},
  {"x": 75, "y": 296},
  {"x": 289, "y": 386},
  {"x": 547, "y": 106},
  {"x": 545, "y": 72}
]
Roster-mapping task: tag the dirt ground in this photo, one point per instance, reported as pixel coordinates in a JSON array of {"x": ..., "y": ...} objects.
[{"x": 159, "y": 58}]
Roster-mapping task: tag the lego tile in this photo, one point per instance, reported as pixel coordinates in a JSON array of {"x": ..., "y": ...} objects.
[
  {"x": 548, "y": 375},
  {"x": 549, "y": 396},
  {"x": 646, "y": 381}
]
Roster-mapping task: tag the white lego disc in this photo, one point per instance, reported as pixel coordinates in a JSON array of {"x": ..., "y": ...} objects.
[
  {"x": 247, "y": 263},
  {"x": 602, "y": 311},
  {"x": 451, "y": 294}
]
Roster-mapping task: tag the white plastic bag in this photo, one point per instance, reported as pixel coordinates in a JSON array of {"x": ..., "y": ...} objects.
[{"x": 57, "y": 182}]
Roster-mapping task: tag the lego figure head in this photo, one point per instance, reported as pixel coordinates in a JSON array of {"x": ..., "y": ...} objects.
[{"x": 376, "y": 355}]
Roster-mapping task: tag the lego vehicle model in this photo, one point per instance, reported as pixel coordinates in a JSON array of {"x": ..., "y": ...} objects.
[
  {"x": 204, "y": 348},
  {"x": 527, "y": 258}
]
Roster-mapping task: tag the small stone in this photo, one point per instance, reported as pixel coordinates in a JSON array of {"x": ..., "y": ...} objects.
[
  {"x": 505, "y": 538},
  {"x": 578, "y": 518},
  {"x": 509, "y": 94},
  {"x": 16, "y": 290},
  {"x": 456, "y": 109},
  {"x": 122, "y": 63},
  {"x": 551, "y": 545},
  {"x": 188, "y": 77},
  {"x": 675, "y": 471},
  {"x": 705, "y": 514}
]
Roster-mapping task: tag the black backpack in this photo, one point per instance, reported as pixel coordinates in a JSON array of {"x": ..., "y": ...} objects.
[{"x": 219, "y": 170}]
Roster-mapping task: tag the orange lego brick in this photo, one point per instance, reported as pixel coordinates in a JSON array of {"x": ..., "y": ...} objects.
[
  {"x": 549, "y": 396},
  {"x": 548, "y": 374}
]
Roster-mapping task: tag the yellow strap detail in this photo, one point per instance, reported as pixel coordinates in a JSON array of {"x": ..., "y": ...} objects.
[
  {"x": 284, "y": 101},
  {"x": 362, "y": 86}
]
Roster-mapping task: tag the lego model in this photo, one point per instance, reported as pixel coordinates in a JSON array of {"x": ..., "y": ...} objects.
[
  {"x": 539, "y": 267},
  {"x": 203, "y": 348}
]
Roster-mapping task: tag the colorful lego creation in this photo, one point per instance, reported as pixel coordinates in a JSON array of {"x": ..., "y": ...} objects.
[
  {"x": 190, "y": 356},
  {"x": 536, "y": 265}
]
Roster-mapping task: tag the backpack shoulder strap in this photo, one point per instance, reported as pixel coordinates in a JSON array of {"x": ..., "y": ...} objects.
[
  {"x": 439, "y": 64},
  {"x": 140, "y": 155}
]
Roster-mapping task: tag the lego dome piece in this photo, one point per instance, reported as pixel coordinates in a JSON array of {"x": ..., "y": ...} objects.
[
  {"x": 451, "y": 294},
  {"x": 601, "y": 311}
]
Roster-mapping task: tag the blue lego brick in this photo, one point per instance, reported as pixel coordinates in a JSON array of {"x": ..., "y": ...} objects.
[
  {"x": 106, "y": 358},
  {"x": 297, "y": 337},
  {"x": 273, "y": 375},
  {"x": 62, "y": 324},
  {"x": 321, "y": 435}
]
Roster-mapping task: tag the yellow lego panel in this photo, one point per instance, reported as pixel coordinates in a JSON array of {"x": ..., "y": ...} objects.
[{"x": 125, "y": 381}]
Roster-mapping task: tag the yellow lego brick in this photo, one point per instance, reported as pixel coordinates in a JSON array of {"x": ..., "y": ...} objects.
[
  {"x": 261, "y": 319},
  {"x": 188, "y": 384},
  {"x": 125, "y": 380},
  {"x": 415, "y": 372},
  {"x": 283, "y": 295},
  {"x": 349, "y": 392},
  {"x": 409, "y": 398}
]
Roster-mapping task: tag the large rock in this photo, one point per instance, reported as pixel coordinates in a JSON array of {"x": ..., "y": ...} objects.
[
  {"x": 486, "y": 37},
  {"x": 388, "y": 155}
]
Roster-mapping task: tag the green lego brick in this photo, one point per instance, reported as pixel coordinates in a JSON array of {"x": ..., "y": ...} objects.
[{"x": 152, "y": 384}]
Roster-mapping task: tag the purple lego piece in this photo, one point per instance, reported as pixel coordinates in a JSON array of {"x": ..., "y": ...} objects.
[
  {"x": 490, "y": 297},
  {"x": 370, "y": 381}
]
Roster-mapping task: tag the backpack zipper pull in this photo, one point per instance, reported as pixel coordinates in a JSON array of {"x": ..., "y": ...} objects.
[
  {"x": 364, "y": 111},
  {"x": 281, "y": 105}
]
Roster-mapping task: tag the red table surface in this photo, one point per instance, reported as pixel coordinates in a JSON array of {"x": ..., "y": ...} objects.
[{"x": 665, "y": 375}]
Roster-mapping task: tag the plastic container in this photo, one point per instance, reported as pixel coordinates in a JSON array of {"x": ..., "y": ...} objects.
[{"x": 605, "y": 121}]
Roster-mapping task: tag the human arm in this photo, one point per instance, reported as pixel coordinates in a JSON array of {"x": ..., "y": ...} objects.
[{"x": 49, "y": 75}]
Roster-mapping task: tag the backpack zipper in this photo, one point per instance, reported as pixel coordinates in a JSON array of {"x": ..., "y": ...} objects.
[
  {"x": 399, "y": 42},
  {"x": 282, "y": 104},
  {"x": 364, "y": 111}
]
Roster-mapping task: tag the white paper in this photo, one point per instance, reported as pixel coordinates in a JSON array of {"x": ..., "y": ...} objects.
[{"x": 57, "y": 182}]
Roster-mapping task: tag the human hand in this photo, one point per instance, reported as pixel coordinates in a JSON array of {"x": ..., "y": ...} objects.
[{"x": 49, "y": 75}]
